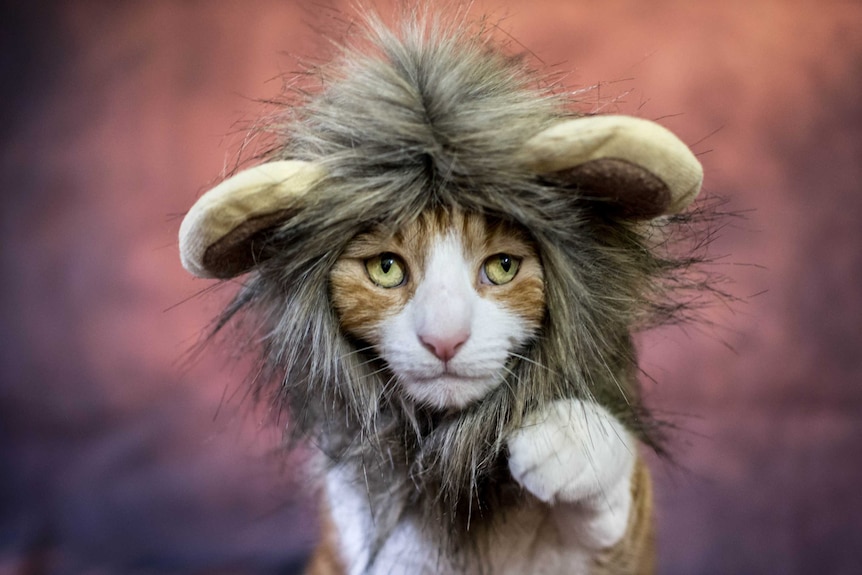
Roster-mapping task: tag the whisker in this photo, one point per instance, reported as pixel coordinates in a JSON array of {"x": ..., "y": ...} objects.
[
  {"x": 355, "y": 351},
  {"x": 609, "y": 370},
  {"x": 373, "y": 373},
  {"x": 389, "y": 385},
  {"x": 534, "y": 362},
  {"x": 506, "y": 379},
  {"x": 367, "y": 362}
]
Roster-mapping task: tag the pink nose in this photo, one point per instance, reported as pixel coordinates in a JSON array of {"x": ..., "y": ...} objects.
[{"x": 444, "y": 347}]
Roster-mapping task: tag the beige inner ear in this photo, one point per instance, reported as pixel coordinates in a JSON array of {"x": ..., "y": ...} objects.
[
  {"x": 217, "y": 233},
  {"x": 628, "y": 160}
]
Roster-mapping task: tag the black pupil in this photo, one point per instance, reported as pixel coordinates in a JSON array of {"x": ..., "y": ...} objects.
[
  {"x": 386, "y": 264},
  {"x": 506, "y": 263}
]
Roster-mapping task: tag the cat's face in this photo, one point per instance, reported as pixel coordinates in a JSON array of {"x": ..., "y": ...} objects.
[{"x": 444, "y": 302}]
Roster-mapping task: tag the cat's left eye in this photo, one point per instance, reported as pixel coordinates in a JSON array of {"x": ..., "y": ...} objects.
[
  {"x": 500, "y": 269},
  {"x": 386, "y": 270}
]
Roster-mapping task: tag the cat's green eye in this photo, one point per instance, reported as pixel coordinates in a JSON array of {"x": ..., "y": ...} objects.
[
  {"x": 386, "y": 270},
  {"x": 500, "y": 269}
]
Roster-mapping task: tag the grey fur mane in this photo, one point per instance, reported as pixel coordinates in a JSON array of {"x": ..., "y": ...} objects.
[{"x": 432, "y": 116}]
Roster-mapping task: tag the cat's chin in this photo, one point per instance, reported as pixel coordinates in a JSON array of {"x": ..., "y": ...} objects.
[{"x": 449, "y": 391}]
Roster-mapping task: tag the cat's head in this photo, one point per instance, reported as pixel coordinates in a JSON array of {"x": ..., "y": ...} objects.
[
  {"x": 444, "y": 294},
  {"x": 444, "y": 302}
]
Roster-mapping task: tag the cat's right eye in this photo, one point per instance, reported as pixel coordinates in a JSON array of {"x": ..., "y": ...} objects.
[
  {"x": 500, "y": 269},
  {"x": 386, "y": 270}
]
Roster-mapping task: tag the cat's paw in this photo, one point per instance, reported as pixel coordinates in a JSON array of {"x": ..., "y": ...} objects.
[{"x": 579, "y": 457}]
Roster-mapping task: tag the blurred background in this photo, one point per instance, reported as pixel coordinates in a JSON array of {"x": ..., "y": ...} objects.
[{"x": 122, "y": 451}]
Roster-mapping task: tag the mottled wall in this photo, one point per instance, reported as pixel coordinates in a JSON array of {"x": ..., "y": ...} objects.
[{"x": 117, "y": 453}]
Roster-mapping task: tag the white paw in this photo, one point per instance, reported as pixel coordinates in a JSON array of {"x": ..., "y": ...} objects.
[{"x": 577, "y": 456}]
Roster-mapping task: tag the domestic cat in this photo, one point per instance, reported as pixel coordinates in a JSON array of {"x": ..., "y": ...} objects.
[
  {"x": 445, "y": 266},
  {"x": 446, "y": 302}
]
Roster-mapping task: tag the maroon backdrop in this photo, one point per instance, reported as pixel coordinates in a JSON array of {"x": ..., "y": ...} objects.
[{"x": 121, "y": 453}]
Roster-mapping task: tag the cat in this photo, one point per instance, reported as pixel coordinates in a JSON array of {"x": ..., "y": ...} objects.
[
  {"x": 446, "y": 302},
  {"x": 445, "y": 269}
]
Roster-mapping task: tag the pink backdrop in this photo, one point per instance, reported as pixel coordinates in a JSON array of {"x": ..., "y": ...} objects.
[{"x": 120, "y": 452}]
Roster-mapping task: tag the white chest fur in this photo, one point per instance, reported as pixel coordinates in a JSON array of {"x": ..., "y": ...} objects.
[
  {"x": 526, "y": 542},
  {"x": 574, "y": 459}
]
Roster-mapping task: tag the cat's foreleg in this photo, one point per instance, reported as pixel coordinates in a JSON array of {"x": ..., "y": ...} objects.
[{"x": 579, "y": 459}]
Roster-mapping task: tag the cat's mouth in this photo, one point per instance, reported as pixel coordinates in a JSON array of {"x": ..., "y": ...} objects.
[
  {"x": 449, "y": 389},
  {"x": 449, "y": 376}
]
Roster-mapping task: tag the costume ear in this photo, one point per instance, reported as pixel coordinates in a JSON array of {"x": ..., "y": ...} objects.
[
  {"x": 639, "y": 166},
  {"x": 217, "y": 234}
]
